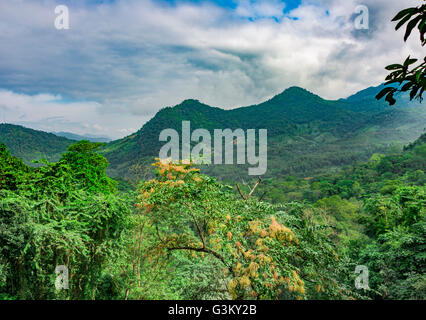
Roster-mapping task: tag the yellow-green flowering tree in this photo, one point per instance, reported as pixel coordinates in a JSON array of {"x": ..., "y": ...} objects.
[{"x": 192, "y": 213}]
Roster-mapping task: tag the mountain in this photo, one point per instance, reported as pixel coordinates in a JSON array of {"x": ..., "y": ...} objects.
[
  {"x": 76, "y": 137},
  {"x": 306, "y": 134},
  {"x": 29, "y": 144},
  {"x": 362, "y": 101}
]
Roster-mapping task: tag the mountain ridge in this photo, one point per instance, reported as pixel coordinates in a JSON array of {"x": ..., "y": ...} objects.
[
  {"x": 307, "y": 134},
  {"x": 296, "y": 120}
]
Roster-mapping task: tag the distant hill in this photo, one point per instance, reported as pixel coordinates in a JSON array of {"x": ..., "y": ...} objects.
[
  {"x": 29, "y": 144},
  {"x": 306, "y": 134},
  {"x": 362, "y": 101},
  {"x": 76, "y": 137}
]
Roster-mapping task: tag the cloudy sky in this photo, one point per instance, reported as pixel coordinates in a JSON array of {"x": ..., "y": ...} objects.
[{"x": 123, "y": 60}]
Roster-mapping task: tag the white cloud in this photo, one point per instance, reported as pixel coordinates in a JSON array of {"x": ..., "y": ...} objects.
[
  {"x": 128, "y": 59},
  {"x": 52, "y": 113}
]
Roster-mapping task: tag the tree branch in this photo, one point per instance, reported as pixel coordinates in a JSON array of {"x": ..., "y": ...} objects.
[
  {"x": 251, "y": 190},
  {"x": 206, "y": 250},
  {"x": 200, "y": 233},
  {"x": 254, "y": 188},
  {"x": 241, "y": 194}
]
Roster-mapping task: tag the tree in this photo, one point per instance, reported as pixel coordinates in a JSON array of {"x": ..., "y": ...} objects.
[
  {"x": 395, "y": 258},
  {"x": 12, "y": 169},
  {"x": 406, "y": 77},
  {"x": 254, "y": 251},
  {"x": 66, "y": 213},
  {"x": 195, "y": 214}
]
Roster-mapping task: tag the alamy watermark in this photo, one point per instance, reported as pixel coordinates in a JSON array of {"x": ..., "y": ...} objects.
[
  {"x": 361, "y": 282},
  {"x": 62, "y": 20},
  {"x": 362, "y": 20},
  {"x": 62, "y": 280},
  {"x": 223, "y": 147}
]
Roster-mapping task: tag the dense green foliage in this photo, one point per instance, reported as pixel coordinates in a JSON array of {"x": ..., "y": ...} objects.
[
  {"x": 184, "y": 235},
  {"x": 378, "y": 212},
  {"x": 70, "y": 213},
  {"x": 257, "y": 250},
  {"x": 64, "y": 213}
]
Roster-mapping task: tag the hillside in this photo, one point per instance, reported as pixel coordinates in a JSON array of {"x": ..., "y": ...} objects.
[
  {"x": 307, "y": 135},
  {"x": 29, "y": 144}
]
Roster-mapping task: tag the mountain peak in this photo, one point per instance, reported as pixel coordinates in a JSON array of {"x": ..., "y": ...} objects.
[
  {"x": 294, "y": 90},
  {"x": 295, "y": 93},
  {"x": 189, "y": 102}
]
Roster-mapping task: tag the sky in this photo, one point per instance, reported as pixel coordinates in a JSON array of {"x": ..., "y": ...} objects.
[{"x": 121, "y": 61}]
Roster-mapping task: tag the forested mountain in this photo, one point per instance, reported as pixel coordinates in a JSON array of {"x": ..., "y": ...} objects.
[
  {"x": 29, "y": 144},
  {"x": 306, "y": 134}
]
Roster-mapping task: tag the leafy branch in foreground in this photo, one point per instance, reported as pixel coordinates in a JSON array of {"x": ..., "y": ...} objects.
[{"x": 408, "y": 77}]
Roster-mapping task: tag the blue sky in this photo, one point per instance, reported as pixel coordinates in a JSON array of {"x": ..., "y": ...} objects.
[
  {"x": 290, "y": 4},
  {"x": 123, "y": 60}
]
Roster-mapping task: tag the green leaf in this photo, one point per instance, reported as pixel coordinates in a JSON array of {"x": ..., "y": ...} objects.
[
  {"x": 403, "y": 13},
  {"x": 418, "y": 75},
  {"x": 390, "y": 99},
  {"x": 422, "y": 26},
  {"x": 402, "y": 22},
  {"x": 384, "y": 92},
  {"x": 411, "y": 26},
  {"x": 420, "y": 95},
  {"x": 413, "y": 92},
  {"x": 409, "y": 62},
  {"x": 394, "y": 67},
  {"x": 407, "y": 86}
]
